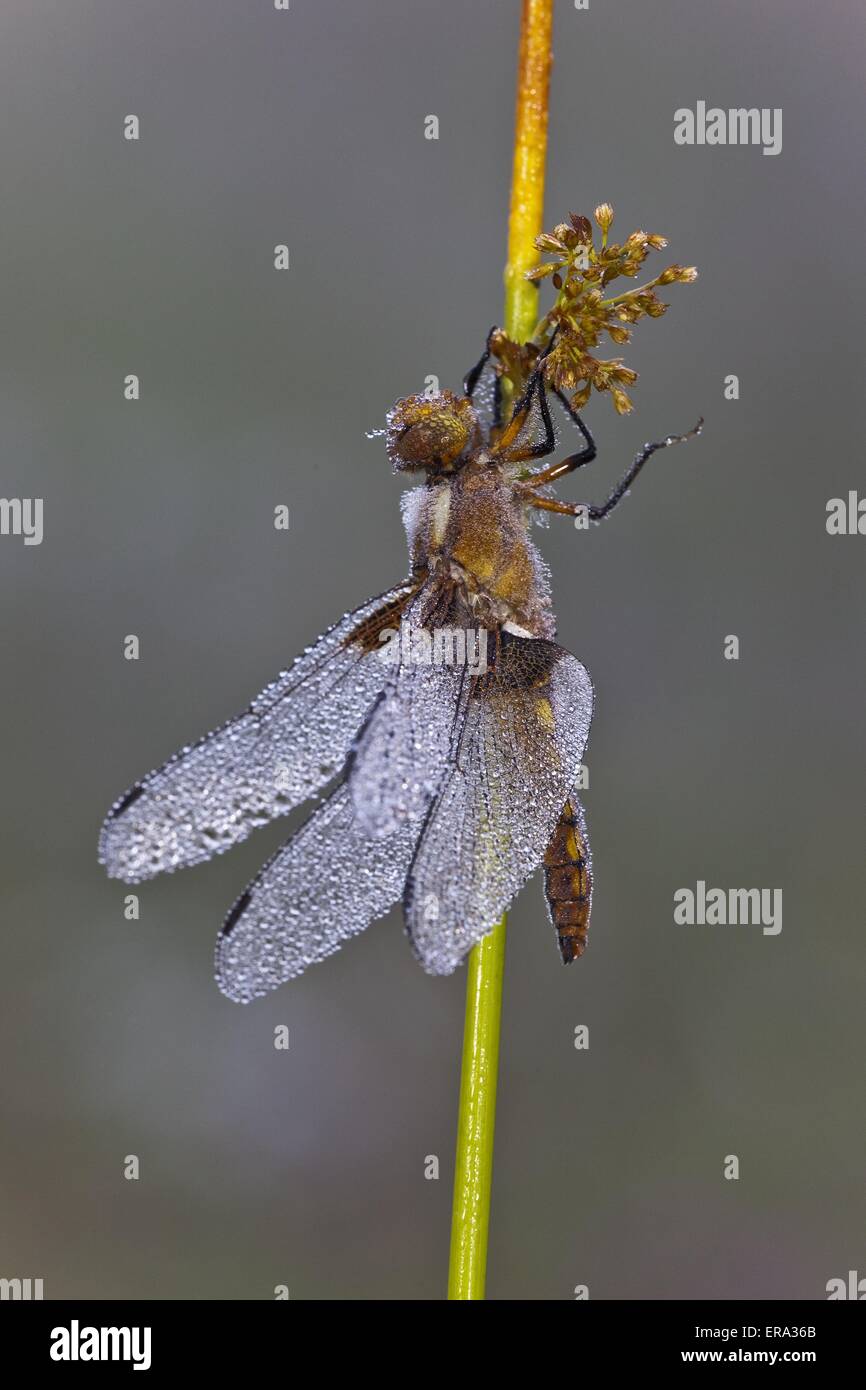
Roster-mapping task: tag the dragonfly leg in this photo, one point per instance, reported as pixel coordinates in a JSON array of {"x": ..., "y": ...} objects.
[{"x": 597, "y": 511}]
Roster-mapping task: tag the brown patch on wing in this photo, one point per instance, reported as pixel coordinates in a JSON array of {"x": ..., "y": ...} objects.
[
  {"x": 568, "y": 883},
  {"x": 367, "y": 634}
]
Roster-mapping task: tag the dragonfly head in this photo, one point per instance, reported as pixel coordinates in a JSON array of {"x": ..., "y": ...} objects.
[{"x": 431, "y": 432}]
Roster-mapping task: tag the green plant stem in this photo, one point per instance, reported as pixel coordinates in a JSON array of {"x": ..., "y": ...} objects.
[
  {"x": 638, "y": 289},
  {"x": 477, "y": 1116},
  {"x": 473, "y": 1174}
]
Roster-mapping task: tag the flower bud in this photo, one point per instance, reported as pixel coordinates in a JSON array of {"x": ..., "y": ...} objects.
[
  {"x": 546, "y": 242},
  {"x": 604, "y": 216},
  {"x": 582, "y": 226}
]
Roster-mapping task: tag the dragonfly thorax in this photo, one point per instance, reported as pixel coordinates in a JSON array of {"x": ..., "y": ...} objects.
[{"x": 470, "y": 537}]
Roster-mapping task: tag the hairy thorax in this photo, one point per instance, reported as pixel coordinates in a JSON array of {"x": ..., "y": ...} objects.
[{"x": 471, "y": 536}]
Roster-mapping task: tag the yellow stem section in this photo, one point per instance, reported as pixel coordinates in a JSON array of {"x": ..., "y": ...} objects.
[
  {"x": 526, "y": 212},
  {"x": 473, "y": 1173}
]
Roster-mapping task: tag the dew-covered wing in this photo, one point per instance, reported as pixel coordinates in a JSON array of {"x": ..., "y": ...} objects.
[
  {"x": 291, "y": 741},
  {"x": 516, "y": 755},
  {"x": 402, "y": 753},
  {"x": 327, "y": 883}
]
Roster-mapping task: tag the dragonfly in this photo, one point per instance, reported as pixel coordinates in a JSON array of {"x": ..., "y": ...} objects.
[{"x": 443, "y": 772}]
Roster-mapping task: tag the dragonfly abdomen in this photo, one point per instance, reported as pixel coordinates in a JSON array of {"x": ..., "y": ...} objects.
[{"x": 568, "y": 882}]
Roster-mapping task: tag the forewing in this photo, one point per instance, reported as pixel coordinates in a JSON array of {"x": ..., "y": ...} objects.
[
  {"x": 516, "y": 756},
  {"x": 327, "y": 883},
  {"x": 290, "y": 742},
  {"x": 402, "y": 754}
]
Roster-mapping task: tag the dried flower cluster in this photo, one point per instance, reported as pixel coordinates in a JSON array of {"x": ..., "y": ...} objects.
[{"x": 581, "y": 272}]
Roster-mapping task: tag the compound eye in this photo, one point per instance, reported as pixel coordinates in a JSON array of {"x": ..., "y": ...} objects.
[{"x": 429, "y": 431}]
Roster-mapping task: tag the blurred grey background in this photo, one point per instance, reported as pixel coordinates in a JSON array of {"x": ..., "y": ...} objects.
[{"x": 306, "y": 1168}]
